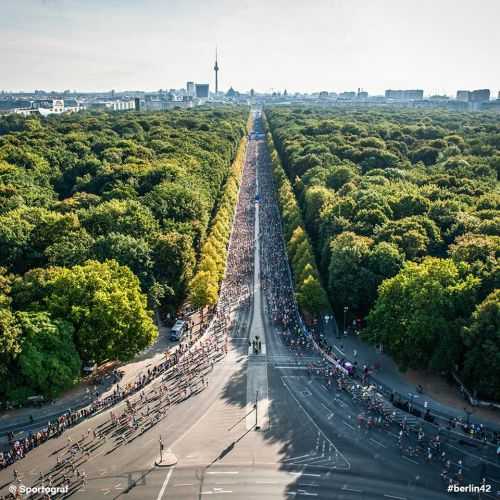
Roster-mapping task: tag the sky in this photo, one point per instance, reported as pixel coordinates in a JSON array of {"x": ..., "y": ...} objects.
[{"x": 300, "y": 45}]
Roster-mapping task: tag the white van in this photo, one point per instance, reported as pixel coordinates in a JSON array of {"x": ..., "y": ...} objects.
[{"x": 178, "y": 330}]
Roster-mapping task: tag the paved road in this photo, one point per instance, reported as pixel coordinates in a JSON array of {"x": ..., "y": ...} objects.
[{"x": 307, "y": 444}]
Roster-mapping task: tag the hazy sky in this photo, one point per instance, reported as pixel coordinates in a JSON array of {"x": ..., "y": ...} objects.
[{"x": 301, "y": 45}]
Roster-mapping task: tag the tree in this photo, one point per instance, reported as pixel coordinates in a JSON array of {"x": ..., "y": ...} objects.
[
  {"x": 49, "y": 362},
  {"x": 482, "y": 341},
  {"x": 311, "y": 296},
  {"x": 10, "y": 339},
  {"x": 102, "y": 301},
  {"x": 419, "y": 312},
  {"x": 350, "y": 282}
]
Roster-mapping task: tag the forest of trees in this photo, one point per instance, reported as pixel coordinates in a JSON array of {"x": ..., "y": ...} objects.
[
  {"x": 402, "y": 210},
  {"x": 102, "y": 218}
]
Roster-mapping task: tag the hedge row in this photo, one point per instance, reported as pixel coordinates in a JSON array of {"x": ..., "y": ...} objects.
[
  {"x": 310, "y": 294},
  {"x": 204, "y": 287}
]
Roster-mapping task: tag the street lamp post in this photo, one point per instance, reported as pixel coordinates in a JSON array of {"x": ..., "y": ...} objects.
[
  {"x": 256, "y": 401},
  {"x": 161, "y": 450}
]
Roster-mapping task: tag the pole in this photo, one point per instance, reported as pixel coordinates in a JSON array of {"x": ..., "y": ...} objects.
[
  {"x": 161, "y": 450},
  {"x": 256, "y": 401}
]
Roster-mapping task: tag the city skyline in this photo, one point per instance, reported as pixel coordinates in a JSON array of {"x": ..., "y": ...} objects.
[{"x": 69, "y": 44}]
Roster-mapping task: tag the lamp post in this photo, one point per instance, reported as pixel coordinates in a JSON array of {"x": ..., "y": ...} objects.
[
  {"x": 161, "y": 450},
  {"x": 256, "y": 401}
]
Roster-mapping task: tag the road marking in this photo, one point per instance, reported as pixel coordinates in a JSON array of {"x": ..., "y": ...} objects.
[
  {"x": 267, "y": 482},
  {"x": 118, "y": 486},
  {"x": 350, "y": 426},
  {"x": 106, "y": 491},
  {"x": 307, "y": 493},
  {"x": 165, "y": 483},
  {"x": 288, "y": 367},
  {"x": 325, "y": 407},
  {"x": 296, "y": 458},
  {"x": 182, "y": 484},
  {"x": 330, "y": 416},
  {"x": 346, "y": 488},
  {"x": 311, "y": 475},
  {"x": 323, "y": 387},
  {"x": 409, "y": 460},
  {"x": 378, "y": 442},
  {"x": 397, "y": 498},
  {"x": 337, "y": 451},
  {"x": 223, "y": 472}
]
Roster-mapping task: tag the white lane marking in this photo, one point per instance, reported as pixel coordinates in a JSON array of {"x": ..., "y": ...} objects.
[
  {"x": 346, "y": 488},
  {"x": 118, "y": 486},
  {"x": 311, "y": 475},
  {"x": 223, "y": 472},
  {"x": 325, "y": 407},
  {"x": 296, "y": 458},
  {"x": 410, "y": 460},
  {"x": 176, "y": 485},
  {"x": 397, "y": 498},
  {"x": 307, "y": 493},
  {"x": 330, "y": 416},
  {"x": 323, "y": 387},
  {"x": 337, "y": 451},
  {"x": 350, "y": 426},
  {"x": 106, "y": 491},
  {"x": 294, "y": 367},
  {"x": 267, "y": 482},
  {"x": 165, "y": 483},
  {"x": 378, "y": 442}
]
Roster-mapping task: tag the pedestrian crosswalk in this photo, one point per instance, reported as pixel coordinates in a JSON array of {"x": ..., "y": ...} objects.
[{"x": 323, "y": 454}]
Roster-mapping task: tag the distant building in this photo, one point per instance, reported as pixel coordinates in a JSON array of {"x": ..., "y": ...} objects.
[
  {"x": 112, "y": 104},
  {"x": 231, "y": 93},
  {"x": 482, "y": 95},
  {"x": 191, "y": 89},
  {"x": 463, "y": 95},
  {"x": 323, "y": 94},
  {"x": 347, "y": 95},
  {"x": 404, "y": 95},
  {"x": 201, "y": 90},
  {"x": 474, "y": 96}
]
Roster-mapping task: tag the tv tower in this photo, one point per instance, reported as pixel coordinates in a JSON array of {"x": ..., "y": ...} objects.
[{"x": 216, "y": 69}]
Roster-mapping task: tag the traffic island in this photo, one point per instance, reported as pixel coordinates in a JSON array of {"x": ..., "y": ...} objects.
[{"x": 168, "y": 459}]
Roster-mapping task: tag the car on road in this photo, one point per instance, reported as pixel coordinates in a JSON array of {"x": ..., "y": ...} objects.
[{"x": 178, "y": 330}]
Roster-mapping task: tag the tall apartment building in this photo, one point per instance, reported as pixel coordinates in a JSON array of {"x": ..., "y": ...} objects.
[
  {"x": 463, "y": 95},
  {"x": 481, "y": 95},
  {"x": 191, "y": 89}
]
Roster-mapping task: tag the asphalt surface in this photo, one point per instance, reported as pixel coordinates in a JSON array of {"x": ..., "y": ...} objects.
[{"x": 308, "y": 442}]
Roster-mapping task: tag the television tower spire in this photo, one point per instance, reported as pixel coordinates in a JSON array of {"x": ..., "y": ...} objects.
[{"x": 216, "y": 69}]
